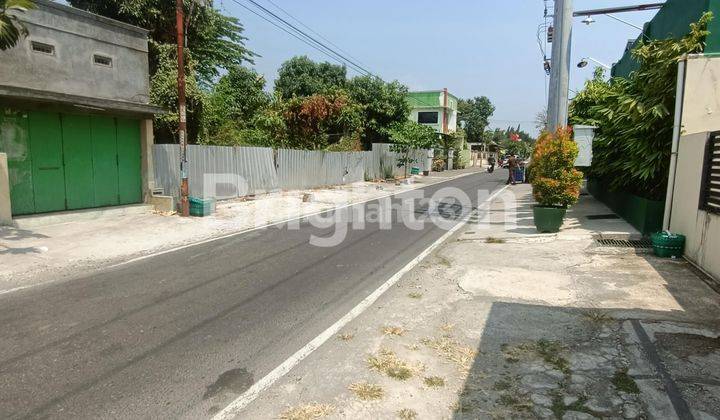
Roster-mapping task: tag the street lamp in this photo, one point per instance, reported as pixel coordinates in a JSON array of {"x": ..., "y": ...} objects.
[{"x": 584, "y": 62}]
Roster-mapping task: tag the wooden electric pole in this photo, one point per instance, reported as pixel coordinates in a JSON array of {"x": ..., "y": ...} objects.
[{"x": 182, "y": 123}]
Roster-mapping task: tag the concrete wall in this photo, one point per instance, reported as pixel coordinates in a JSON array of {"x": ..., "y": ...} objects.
[
  {"x": 701, "y": 228},
  {"x": 701, "y": 104},
  {"x": 5, "y": 210},
  {"x": 77, "y": 36}
]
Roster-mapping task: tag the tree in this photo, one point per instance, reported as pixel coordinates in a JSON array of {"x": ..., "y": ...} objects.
[
  {"x": 632, "y": 145},
  {"x": 317, "y": 121},
  {"x": 408, "y": 136},
  {"x": 237, "y": 97},
  {"x": 164, "y": 93},
  {"x": 475, "y": 113},
  {"x": 215, "y": 40},
  {"x": 11, "y": 29},
  {"x": 300, "y": 76},
  {"x": 383, "y": 106}
]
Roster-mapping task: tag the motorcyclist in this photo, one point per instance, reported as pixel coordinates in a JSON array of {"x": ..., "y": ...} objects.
[{"x": 491, "y": 162}]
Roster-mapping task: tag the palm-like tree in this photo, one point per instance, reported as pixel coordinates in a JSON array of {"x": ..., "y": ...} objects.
[{"x": 11, "y": 29}]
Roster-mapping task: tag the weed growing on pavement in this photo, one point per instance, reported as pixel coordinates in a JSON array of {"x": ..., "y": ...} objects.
[
  {"x": 624, "y": 382},
  {"x": 444, "y": 261},
  {"x": 452, "y": 350},
  {"x": 415, "y": 295},
  {"x": 491, "y": 240},
  {"x": 366, "y": 391},
  {"x": 596, "y": 316},
  {"x": 503, "y": 385},
  {"x": 559, "y": 408},
  {"x": 407, "y": 414},
  {"x": 393, "y": 330},
  {"x": 387, "y": 362},
  {"x": 345, "y": 336},
  {"x": 434, "y": 381},
  {"x": 549, "y": 351},
  {"x": 307, "y": 411}
]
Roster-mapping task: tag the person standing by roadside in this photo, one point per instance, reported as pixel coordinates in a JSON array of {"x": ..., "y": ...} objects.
[{"x": 512, "y": 166}]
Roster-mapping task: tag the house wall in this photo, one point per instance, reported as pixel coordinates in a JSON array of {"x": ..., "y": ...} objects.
[
  {"x": 701, "y": 228},
  {"x": 77, "y": 36},
  {"x": 701, "y": 115}
]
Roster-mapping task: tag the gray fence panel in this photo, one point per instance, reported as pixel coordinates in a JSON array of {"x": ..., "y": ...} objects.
[
  {"x": 227, "y": 172},
  {"x": 166, "y": 166},
  {"x": 256, "y": 165}
]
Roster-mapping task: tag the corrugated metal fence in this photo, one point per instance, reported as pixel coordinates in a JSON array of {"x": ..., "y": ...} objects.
[{"x": 227, "y": 172}]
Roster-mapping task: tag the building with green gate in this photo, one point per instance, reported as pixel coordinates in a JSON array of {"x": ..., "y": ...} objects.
[{"x": 75, "y": 118}]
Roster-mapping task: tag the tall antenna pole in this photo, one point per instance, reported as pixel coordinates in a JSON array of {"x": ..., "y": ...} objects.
[
  {"x": 560, "y": 65},
  {"x": 182, "y": 123}
]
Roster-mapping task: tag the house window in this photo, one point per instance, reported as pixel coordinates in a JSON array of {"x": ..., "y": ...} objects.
[
  {"x": 102, "y": 60},
  {"x": 710, "y": 187},
  {"x": 427, "y": 117},
  {"x": 42, "y": 48}
]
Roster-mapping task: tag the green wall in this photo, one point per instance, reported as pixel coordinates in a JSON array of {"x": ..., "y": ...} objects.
[
  {"x": 673, "y": 21},
  {"x": 430, "y": 99}
]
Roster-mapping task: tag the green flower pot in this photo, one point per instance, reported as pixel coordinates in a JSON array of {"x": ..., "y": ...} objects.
[{"x": 548, "y": 219}]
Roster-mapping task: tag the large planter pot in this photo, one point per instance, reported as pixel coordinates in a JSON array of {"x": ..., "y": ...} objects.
[{"x": 548, "y": 219}]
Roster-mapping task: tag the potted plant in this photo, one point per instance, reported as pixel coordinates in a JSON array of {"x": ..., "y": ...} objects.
[{"x": 555, "y": 181}]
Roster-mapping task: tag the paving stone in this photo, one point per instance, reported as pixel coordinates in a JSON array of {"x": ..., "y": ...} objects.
[
  {"x": 541, "y": 399},
  {"x": 569, "y": 399},
  {"x": 539, "y": 381},
  {"x": 543, "y": 413},
  {"x": 600, "y": 406},
  {"x": 631, "y": 410},
  {"x": 577, "y": 415}
]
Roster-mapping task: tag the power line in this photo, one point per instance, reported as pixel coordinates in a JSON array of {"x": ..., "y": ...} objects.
[
  {"x": 315, "y": 32},
  {"x": 303, "y": 36},
  {"x": 289, "y": 33}
]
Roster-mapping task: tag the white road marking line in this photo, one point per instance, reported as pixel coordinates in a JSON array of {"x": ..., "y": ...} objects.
[
  {"x": 268, "y": 380},
  {"x": 241, "y": 232}
]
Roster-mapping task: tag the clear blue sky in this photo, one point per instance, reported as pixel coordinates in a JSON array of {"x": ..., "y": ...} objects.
[{"x": 472, "y": 47}]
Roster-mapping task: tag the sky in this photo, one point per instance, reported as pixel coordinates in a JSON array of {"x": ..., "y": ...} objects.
[{"x": 472, "y": 47}]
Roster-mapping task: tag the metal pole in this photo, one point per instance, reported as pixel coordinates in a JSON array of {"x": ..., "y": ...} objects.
[
  {"x": 679, "y": 96},
  {"x": 560, "y": 65},
  {"x": 182, "y": 123}
]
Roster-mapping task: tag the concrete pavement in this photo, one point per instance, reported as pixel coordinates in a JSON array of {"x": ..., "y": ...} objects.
[{"x": 184, "y": 333}]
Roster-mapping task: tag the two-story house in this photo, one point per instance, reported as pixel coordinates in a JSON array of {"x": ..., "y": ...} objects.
[{"x": 75, "y": 118}]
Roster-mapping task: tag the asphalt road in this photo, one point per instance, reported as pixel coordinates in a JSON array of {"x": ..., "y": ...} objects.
[{"x": 182, "y": 334}]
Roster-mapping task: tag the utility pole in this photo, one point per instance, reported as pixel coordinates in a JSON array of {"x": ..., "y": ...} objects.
[
  {"x": 182, "y": 123},
  {"x": 557, "y": 111}
]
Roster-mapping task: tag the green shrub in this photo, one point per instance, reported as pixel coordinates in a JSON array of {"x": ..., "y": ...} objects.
[{"x": 554, "y": 179}]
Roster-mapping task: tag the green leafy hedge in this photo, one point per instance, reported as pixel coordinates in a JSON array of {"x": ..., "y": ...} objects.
[{"x": 634, "y": 115}]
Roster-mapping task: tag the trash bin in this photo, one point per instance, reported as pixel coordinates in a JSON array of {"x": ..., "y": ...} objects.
[
  {"x": 201, "y": 206},
  {"x": 666, "y": 244},
  {"x": 519, "y": 175}
]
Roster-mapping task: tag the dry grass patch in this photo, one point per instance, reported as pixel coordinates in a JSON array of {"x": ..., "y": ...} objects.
[
  {"x": 447, "y": 327},
  {"x": 366, "y": 391},
  {"x": 407, "y": 414},
  {"x": 434, "y": 381},
  {"x": 307, "y": 411},
  {"x": 415, "y": 295},
  {"x": 452, "y": 350},
  {"x": 491, "y": 240},
  {"x": 387, "y": 362},
  {"x": 393, "y": 330},
  {"x": 345, "y": 336}
]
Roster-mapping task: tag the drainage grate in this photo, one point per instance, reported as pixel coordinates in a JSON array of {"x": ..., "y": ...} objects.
[
  {"x": 624, "y": 243},
  {"x": 603, "y": 216}
]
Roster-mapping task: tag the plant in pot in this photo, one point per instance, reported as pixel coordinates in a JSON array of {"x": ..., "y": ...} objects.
[{"x": 555, "y": 181}]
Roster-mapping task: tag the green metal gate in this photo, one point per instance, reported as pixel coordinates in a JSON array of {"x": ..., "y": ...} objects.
[{"x": 69, "y": 161}]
